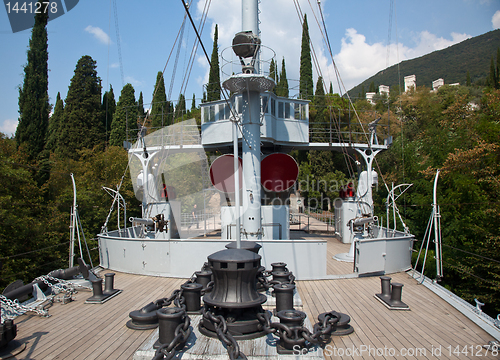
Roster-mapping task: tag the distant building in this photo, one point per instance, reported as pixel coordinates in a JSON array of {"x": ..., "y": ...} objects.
[
  {"x": 369, "y": 97},
  {"x": 436, "y": 84},
  {"x": 410, "y": 82},
  {"x": 383, "y": 89}
]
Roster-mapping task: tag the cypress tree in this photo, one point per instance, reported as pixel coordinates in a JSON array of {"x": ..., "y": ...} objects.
[
  {"x": 467, "y": 81},
  {"x": 331, "y": 88},
  {"x": 82, "y": 126},
  {"x": 213, "y": 87},
  {"x": 497, "y": 85},
  {"x": 140, "y": 109},
  {"x": 180, "y": 109},
  {"x": 492, "y": 79},
  {"x": 193, "y": 103},
  {"x": 54, "y": 123},
  {"x": 33, "y": 95},
  {"x": 160, "y": 107},
  {"x": 108, "y": 108},
  {"x": 273, "y": 73},
  {"x": 283, "y": 83},
  {"x": 306, "y": 75},
  {"x": 319, "y": 96},
  {"x": 125, "y": 118}
]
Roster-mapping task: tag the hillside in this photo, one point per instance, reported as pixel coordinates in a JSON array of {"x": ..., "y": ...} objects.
[{"x": 451, "y": 64}]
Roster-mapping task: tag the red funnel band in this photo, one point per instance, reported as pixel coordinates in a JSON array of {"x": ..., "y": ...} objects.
[
  {"x": 222, "y": 173},
  {"x": 278, "y": 172}
]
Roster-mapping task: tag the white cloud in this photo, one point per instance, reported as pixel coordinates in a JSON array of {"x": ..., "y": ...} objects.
[
  {"x": 8, "y": 127},
  {"x": 114, "y": 65},
  {"x": 495, "y": 20},
  {"x": 134, "y": 82},
  {"x": 99, "y": 34}
]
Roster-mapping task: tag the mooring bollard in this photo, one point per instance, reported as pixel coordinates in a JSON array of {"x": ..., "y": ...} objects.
[
  {"x": 192, "y": 295},
  {"x": 109, "y": 283},
  {"x": 281, "y": 276},
  {"x": 397, "y": 292},
  {"x": 278, "y": 266},
  {"x": 168, "y": 321},
  {"x": 293, "y": 320},
  {"x": 203, "y": 277},
  {"x": 385, "y": 283},
  {"x": 284, "y": 296},
  {"x": 97, "y": 288}
]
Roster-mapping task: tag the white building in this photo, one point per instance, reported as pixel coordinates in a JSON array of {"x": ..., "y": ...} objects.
[
  {"x": 436, "y": 84},
  {"x": 410, "y": 82},
  {"x": 369, "y": 97},
  {"x": 383, "y": 89}
]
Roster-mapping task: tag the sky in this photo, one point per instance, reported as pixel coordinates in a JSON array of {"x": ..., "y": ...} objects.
[{"x": 365, "y": 37}]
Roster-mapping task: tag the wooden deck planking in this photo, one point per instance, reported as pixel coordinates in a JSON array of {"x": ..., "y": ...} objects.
[
  {"x": 376, "y": 325},
  {"x": 78, "y": 330},
  {"x": 86, "y": 315}
]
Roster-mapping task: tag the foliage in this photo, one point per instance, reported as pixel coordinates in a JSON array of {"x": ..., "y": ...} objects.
[
  {"x": 108, "y": 108},
  {"x": 161, "y": 108},
  {"x": 33, "y": 95},
  {"x": 124, "y": 125},
  {"x": 441, "y": 130},
  {"x": 273, "y": 73},
  {"x": 305, "y": 72},
  {"x": 213, "y": 86},
  {"x": 54, "y": 124},
  {"x": 282, "y": 88},
  {"x": 82, "y": 127}
]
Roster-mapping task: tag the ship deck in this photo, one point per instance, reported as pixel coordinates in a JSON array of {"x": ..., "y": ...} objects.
[{"x": 97, "y": 331}]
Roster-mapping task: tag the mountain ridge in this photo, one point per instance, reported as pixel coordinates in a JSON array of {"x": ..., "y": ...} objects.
[{"x": 451, "y": 64}]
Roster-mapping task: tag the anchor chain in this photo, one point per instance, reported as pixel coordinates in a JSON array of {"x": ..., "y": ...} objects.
[
  {"x": 182, "y": 333},
  {"x": 20, "y": 309},
  {"x": 220, "y": 325},
  {"x": 262, "y": 278},
  {"x": 177, "y": 298},
  {"x": 299, "y": 335}
]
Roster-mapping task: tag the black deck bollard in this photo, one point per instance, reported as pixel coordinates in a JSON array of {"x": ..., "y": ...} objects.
[
  {"x": 168, "y": 321},
  {"x": 192, "y": 295},
  {"x": 284, "y": 296},
  {"x": 294, "y": 320},
  {"x": 397, "y": 292},
  {"x": 109, "y": 283},
  {"x": 385, "y": 284},
  {"x": 278, "y": 266},
  {"x": 97, "y": 288},
  {"x": 203, "y": 277},
  {"x": 281, "y": 276}
]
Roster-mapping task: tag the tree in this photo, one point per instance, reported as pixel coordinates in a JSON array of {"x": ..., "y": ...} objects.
[
  {"x": 82, "y": 127},
  {"x": 306, "y": 75},
  {"x": 331, "y": 88},
  {"x": 193, "y": 103},
  {"x": 108, "y": 108},
  {"x": 33, "y": 95},
  {"x": 54, "y": 124},
  {"x": 125, "y": 118},
  {"x": 273, "y": 73},
  {"x": 282, "y": 89},
  {"x": 180, "y": 109},
  {"x": 493, "y": 77},
  {"x": 213, "y": 87},
  {"x": 160, "y": 107},
  {"x": 140, "y": 109},
  {"x": 372, "y": 87},
  {"x": 467, "y": 80}
]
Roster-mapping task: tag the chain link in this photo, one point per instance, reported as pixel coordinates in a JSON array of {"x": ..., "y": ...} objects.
[
  {"x": 220, "y": 325},
  {"x": 18, "y": 309},
  {"x": 182, "y": 333},
  {"x": 300, "y": 335}
]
